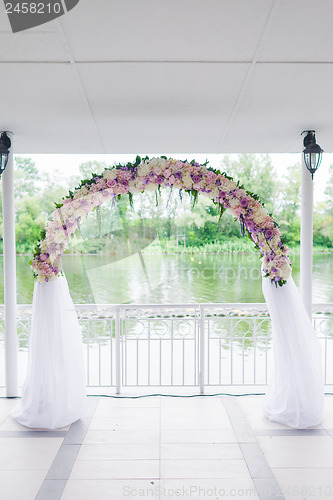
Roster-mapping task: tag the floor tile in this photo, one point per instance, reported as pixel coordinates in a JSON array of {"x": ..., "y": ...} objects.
[
  {"x": 199, "y": 489},
  {"x": 26, "y": 453},
  {"x": 11, "y": 482},
  {"x": 203, "y": 469},
  {"x": 117, "y": 436},
  {"x": 305, "y": 483},
  {"x": 51, "y": 489},
  {"x": 130, "y": 451},
  {"x": 149, "y": 402},
  {"x": 197, "y": 411},
  {"x": 129, "y": 412},
  {"x": 214, "y": 402},
  {"x": 194, "y": 436},
  {"x": 295, "y": 451},
  {"x": 10, "y": 424},
  {"x": 201, "y": 451},
  {"x": 114, "y": 469},
  {"x": 123, "y": 423},
  {"x": 111, "y": 489},
  {"x": 195, "y": 422}
]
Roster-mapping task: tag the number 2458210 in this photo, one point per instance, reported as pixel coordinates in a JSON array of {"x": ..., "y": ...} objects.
[{"x": 33, "y": 8}]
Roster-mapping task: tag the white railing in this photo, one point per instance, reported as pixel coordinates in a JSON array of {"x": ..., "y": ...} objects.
[{"x": 183, "y": 345}]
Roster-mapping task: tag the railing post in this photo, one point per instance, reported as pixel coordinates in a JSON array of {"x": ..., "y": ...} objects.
[
  {"x": 202, "y": 349},
  {"x": 118, "y": 365}
]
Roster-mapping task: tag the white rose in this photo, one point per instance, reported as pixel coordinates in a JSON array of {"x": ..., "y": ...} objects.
[
  {"x": 151, "y": 187},
  {"x": 110, "y": 174},
  {"x": 153, "y": 162},
  {"x": 214, "y": 193},
  {"x": 59, "y": 237},
  {"x": 233, "y": 202},
  {"x": 162, "y": 163},
  {"x": 187, "y": 183},
  {"x": 144, "y": 170},
  {"x": 79, "y": 212},
  {"x": 286, "y": 272}
]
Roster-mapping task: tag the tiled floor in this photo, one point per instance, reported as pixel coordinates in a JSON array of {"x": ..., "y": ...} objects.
[{"x": 167, "y": 448}]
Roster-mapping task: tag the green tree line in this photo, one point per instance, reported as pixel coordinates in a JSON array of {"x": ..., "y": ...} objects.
[{"x": 172, "y": 221}]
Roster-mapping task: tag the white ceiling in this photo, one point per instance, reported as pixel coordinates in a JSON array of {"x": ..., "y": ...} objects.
[{"x": 198, "y": 76}]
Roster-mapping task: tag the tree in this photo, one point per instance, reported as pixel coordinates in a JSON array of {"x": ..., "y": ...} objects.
[
  {"x": 257, "y": 174},
  {"x": 26, "y": 177},
  {"x": 329, "y": 192}
]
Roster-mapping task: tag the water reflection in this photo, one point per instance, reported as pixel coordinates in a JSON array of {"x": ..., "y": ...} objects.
[{"x": 169, "y": 278}]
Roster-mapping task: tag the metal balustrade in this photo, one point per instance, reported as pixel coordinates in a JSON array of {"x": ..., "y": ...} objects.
[{"x": 185, "y": 345}]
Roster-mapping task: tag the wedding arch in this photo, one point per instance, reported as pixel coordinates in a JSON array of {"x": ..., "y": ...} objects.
[
  {"x": 54, "y": 391},
  {"x": 152, "y": 175}
]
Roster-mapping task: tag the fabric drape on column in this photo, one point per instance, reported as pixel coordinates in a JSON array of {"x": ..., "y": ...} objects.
[
  {"x": 295, "y": 395},
  {"x": 53, "y": 395}
]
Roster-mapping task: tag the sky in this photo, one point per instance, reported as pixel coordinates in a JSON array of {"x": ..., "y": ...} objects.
[{"x": 64, "y": 166}]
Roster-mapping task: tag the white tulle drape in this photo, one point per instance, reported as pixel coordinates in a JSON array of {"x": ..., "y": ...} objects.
[
  {"x": 295, "y": 395},
  {"x": 54, "y": 391}
]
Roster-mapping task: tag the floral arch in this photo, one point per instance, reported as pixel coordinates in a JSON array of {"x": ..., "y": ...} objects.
[
  {"x": 152, "y": 175},
  {"x": 54, "y": 391}
]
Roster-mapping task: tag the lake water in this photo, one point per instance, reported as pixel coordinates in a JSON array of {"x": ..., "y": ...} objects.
[{"x": 170, "y": 279}]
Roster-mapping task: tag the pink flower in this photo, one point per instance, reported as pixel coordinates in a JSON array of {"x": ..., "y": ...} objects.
[
  {"x": 111, "y": 183},
  {"x": 122, "y": 189},
  {"x": 244, "y": 202},
  {"x": 171, "y": 179},
  {"x": 43, "y": 257},
  {"x": 167, "y": 173}
]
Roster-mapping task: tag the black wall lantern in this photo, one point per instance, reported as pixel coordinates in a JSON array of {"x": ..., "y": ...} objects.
[
  {"x": 312, "y": 152},
  {"x": 5, "y": 144}
]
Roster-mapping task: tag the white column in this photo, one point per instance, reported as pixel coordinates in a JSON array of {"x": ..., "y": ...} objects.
[
  {"x": 9, "y": 263},
  {"x": 306, "y": 238}
]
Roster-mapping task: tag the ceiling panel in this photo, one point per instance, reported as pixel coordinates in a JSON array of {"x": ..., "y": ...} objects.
[
  {"x": 279, "y": 103},
  {"x": 165, "y": 107},
  {"x": 301, "y": 31},
  {"x": 33, "y": 47},
  {"x": 183, "y": 98},
  {"x": 44, "y": 110},
  {"x": 170, "y": 30}
]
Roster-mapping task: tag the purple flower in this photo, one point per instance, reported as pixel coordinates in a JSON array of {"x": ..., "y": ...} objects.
[
  {"x": 46, "y": 279},
  {"x": 196, "y": 164},
  {"x": 250, "y": 224},
  {"x": 222, "y": 194},
  {"x": 196, "y": 178},
  {"x": 269, "y": 234},
  {"x": 280, "y": 244},
  {"x": 274, "y": 270},
  {"x": 244, "y": 202},
  {"x": 218, "y": 182},
  {"x": 159, "y": 179},
  {"x": 178, "y": 175},
  {"x": 124, "y": 182}
]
